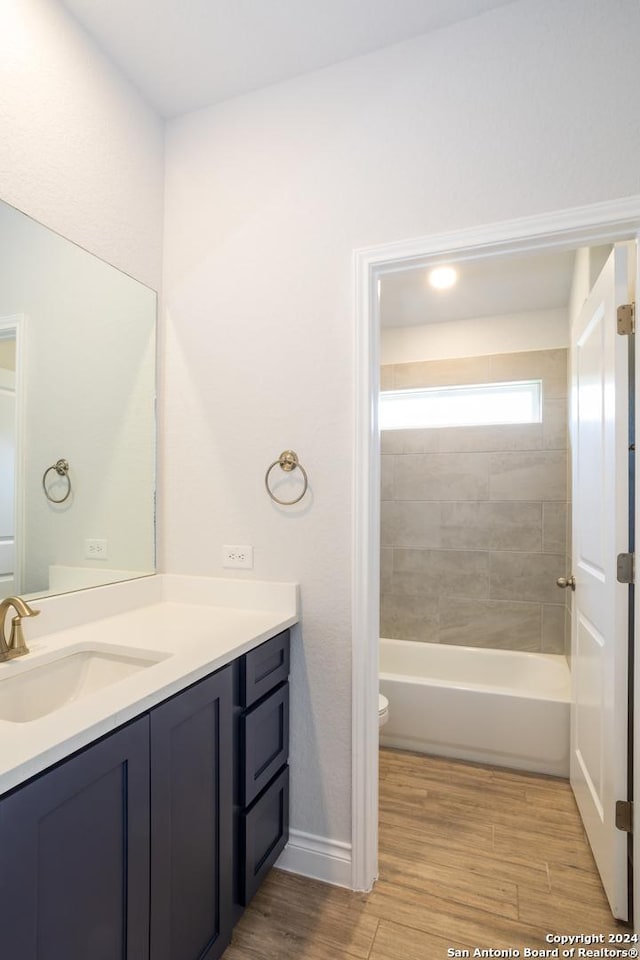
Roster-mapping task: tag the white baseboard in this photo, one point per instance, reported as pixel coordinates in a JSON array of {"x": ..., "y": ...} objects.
[{"x": 317, "y": 857}]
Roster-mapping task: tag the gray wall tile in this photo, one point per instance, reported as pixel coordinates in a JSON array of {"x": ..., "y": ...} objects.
[
  {"x": 386, "y": 569},
  {"x": 514, "y": 525},
  {"x": 506, "y": 436},
  {"x": 526, "y": 576},
  {"x": 443, "y": 476},
  {"x": 486, "y": 623},
  {"x": 441, "y": 373},
  {"x": 554, "y": 527},
  {"x": 555, "y": 424},
  {"x": 452, "y": 573},
  {"x": 483, "y": 525},
  {"x": 409, "y": 618},
  {"x": 460, "y": 573},
  {"x": 553, "y": 624},
  {"x": 414, "y": 584},
  {"x": 550, "y": 366},
  {"x": 411, "y": 561},
  {"x": 410, "y": 524},
  {"x": 386, "y": 376},
  {"x": 409, "y": 441},
  {"x": 464, "y": 526},
  {"x": 386, "y": 477},
  {"x": 528, "y": 475}
]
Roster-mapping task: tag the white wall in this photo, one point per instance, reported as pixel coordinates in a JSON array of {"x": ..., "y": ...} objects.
[
  {"x": 79, "y": 149},
  {"x": 481, "y": 337},
  {"x": 515, "y": 112}
]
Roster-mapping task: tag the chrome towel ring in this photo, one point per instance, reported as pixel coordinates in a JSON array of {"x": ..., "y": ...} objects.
[
  {"x": 288, "y": 461},
  {"x": 61, "y": 467}
]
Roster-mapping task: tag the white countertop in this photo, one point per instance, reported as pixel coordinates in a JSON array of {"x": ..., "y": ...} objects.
[{"x": 197, "y": 624}]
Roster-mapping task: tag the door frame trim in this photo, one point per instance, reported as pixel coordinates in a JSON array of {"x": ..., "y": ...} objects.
[{"x": 578, "y": 226}]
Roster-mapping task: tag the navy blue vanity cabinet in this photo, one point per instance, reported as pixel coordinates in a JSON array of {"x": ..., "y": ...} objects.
[
  {"x": 191, "y": 821},
  {"x": 263, "y": 774},
  {"x": 74, "y": 856},
  {"x": 148, "y": 843}
]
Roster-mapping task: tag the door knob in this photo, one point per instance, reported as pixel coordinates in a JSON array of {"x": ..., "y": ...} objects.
[{"x": 565, "y": 582}]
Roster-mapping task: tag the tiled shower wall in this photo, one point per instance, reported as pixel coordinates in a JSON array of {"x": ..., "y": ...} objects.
[{"x": 474, "y": 519}]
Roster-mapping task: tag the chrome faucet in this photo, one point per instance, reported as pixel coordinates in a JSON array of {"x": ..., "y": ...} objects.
[{"x": 16, "y": 647}]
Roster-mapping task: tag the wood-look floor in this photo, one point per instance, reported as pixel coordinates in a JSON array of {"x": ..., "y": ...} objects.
[{"x": 470, "y": 856}]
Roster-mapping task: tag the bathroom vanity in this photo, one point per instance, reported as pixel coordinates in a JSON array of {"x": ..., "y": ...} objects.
[{"x": 150, "y": 839}]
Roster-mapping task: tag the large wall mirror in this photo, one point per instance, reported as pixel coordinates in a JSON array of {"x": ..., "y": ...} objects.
[{"x": 77, "y": 415}]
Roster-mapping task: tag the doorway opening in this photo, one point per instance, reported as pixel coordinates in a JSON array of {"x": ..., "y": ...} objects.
[{"x": 590, "y": 227}]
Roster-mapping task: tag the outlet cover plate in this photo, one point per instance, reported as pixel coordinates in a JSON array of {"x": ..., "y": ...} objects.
[
  {"x": 95, "y": 550},
  {"x": 238, "y": 557}
]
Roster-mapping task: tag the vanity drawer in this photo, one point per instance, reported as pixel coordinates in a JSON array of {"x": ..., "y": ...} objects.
[
  {"x": 263, "y": 668},
  {"x": 265, "y": 741},
  {"x": 264, "y": 834}
]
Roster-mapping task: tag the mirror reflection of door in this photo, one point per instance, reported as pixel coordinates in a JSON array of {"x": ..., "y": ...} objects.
[{"x": 8, "y": 444}]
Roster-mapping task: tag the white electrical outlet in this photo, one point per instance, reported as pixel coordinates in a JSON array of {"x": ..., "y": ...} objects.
[
  {"x": 238, "y": 557},
  {"x": 95, "y": 550}
]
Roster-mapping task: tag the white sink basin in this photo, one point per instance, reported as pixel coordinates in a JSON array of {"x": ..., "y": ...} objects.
[{"x": 38, "y": 690}]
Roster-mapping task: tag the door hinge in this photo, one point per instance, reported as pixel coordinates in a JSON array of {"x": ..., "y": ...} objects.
[
  {"x": 625, "y": 568},
  {"x": 624, "y": 815},
  {"x": 626, "y": 319}
]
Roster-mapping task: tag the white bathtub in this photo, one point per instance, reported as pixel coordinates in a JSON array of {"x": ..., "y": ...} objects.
[{"x": 491, "y": 706}]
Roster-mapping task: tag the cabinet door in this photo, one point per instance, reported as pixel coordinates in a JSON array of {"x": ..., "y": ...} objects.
[
  {"x": 191, "y": 822},
  {"x": 264, "y": 831},
  {"x": 74, "y": 856}
]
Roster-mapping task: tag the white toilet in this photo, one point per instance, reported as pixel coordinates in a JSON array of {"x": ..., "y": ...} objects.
[{"x": 383, "y": 710}]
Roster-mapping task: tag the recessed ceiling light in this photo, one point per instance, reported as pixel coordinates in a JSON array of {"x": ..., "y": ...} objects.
[{"x": 442, "y": 277}]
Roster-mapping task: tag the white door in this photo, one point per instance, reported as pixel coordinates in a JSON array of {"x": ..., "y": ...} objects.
[{"x": 599, "y": 645}]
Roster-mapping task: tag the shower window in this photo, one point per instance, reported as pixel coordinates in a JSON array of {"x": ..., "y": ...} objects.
[{"x": 477, "y": 404}]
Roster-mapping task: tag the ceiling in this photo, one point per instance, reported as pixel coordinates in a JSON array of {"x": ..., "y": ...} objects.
[
  {"x": 186, "y": 54},
  {"x": 485, "y": 288}
]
